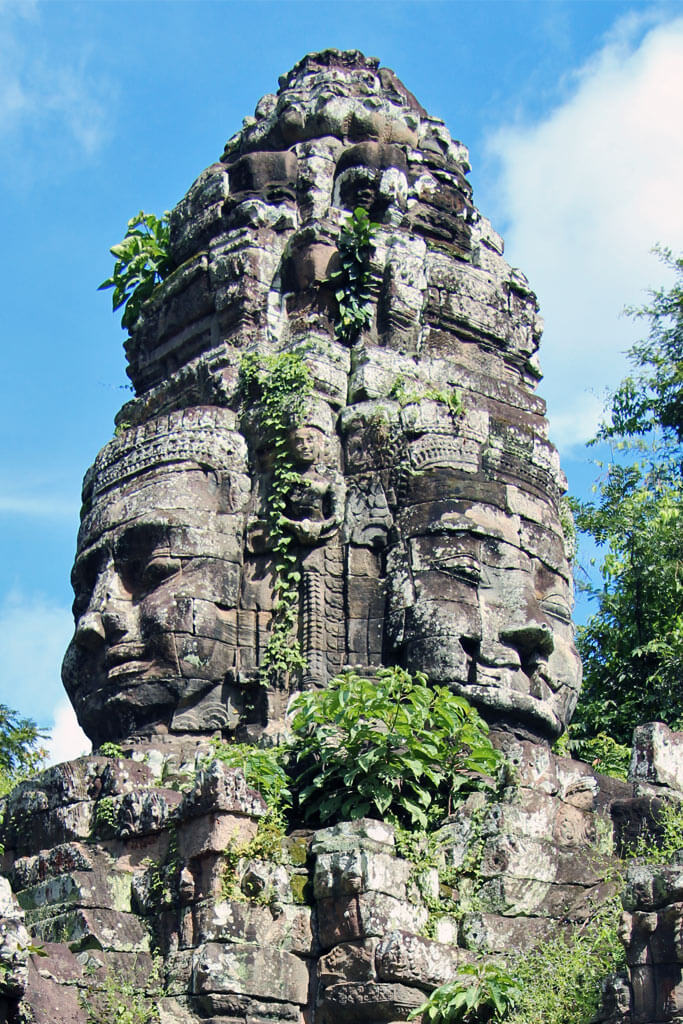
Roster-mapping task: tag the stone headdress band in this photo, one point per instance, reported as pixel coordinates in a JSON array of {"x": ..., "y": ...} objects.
[{"x": 205, "y": 435}]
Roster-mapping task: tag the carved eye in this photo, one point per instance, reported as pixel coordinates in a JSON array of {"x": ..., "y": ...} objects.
[
  {"x": 557, "y": 607},
  {"x": 461, "y": 567},
  {"x": 84, "y": 578},
  {"x": 158, "y": 569}
]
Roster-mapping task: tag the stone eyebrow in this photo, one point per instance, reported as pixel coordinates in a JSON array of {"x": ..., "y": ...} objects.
[{"x": 140, "y": 538}]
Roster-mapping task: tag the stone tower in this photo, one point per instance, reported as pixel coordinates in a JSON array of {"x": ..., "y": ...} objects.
[
  {"x": 426, "y": 523},
  {"x": 390, "y": 474}
]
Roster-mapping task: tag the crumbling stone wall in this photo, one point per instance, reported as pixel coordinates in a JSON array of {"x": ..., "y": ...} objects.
[{"x": 331, "y": 929}]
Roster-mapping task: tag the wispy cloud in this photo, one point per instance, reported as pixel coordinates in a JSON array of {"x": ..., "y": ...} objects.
[
  {"x": 38, "y": 507},
  {"x": 585, "y": 193},
  {"x": 34, "y": 633},
  {"x": 51, "y": 98}
]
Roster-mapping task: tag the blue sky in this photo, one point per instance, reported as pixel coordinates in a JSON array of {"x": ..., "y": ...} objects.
[{"x": 571, "y": 112}]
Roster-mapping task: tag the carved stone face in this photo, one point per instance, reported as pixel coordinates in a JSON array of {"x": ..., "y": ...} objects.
[
  {"x": 306, "y": 445},
  {"x": 156, "y": 581},
  {"x": 475, "y": 611}
]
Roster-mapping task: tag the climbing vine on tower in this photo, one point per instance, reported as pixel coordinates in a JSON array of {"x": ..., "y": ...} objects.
[{"x": 279, "y": 385}]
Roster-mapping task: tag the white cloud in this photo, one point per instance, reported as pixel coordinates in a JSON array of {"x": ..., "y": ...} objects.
[
  {"x": 586, "y": 193},
  {"x": 38, "y": 507},
  {"x": 67, "y": 739},
  {"x": 49, "y": 96},
  {"x": 34, "y": 633}
]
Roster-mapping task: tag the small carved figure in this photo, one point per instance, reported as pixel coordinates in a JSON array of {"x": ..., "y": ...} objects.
[{"x": 316, "y": 502}]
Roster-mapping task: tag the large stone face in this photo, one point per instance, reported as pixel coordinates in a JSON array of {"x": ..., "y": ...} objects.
[{"x": 425, "y": 536}]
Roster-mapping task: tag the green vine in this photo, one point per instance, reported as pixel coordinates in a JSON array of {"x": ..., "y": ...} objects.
[
  {"x": 105, "y": 819},
  {"x": 351, "y": 280},
  {"x": 280, "y": 384}
]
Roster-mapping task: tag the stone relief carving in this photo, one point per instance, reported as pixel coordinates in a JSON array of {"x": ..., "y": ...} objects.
[{"x": 423, "y": 537}]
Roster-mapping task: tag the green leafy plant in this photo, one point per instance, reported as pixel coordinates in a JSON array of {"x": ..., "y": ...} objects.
[
  {"x": 279, "y": 385},
  {"x": 390, "y": 747},
  {"x": 481, "y": 992},
  {"x": 265, "y": 845},
  {"x": 142, "y": 260},
  {"x": 110, "y": 750},
  {"x": 632, "y": 646},
  {"x": 404, "y": 395},
  {"x": 602, "y": 752},
  {"x": 660, "y": 846},
  {"x": 450, "y": 397},
  {"x": 105, "y": 817},
  {"x": 265, "y": 770},
  {"x": 560, "y": 981},
  {"x": 352, "y": 278},
  {"x": 121, "y": 999},
  {"x": 20, "y": 754}
]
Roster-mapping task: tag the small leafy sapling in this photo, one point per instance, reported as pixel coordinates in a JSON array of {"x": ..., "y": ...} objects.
[
  {"x": 142, "y": 262},
  {"x": 351, "y": 280}
]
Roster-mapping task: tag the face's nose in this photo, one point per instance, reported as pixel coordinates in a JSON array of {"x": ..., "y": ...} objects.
[
  {"x": 109, "y": 616},
  {"x": 533, "y": 641}
]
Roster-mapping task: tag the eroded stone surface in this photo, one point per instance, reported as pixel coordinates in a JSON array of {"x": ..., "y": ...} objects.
[{"x": 426, "y": 535}]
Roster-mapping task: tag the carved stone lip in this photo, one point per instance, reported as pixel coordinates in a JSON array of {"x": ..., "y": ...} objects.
[{"x": 122, "y": 655}]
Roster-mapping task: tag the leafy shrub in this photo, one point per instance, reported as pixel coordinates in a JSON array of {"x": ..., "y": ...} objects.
[
  {"x": 481, "y": 992},
  {"x": 119, "y": 999},
  {"x": 390, "y": 747},
  {"x": 560, "y": 981},
  {"x": 351, "y": 280},
  {"x": 448, "y": 396},
  {"x": 264, "y": 769},
  {"x": 602, "y": 752},
  {"x": 142, "y": 261},
  {"x": 110, "y": 750},
  {"x": 659, "y": 847}
]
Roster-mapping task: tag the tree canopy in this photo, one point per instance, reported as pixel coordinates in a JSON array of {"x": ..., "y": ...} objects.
[
  {"x": 632, "y": 646},
  {"x": 20, "y": 753}
]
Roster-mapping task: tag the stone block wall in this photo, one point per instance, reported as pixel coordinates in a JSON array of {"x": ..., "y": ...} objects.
[{"x": 109, "y": 865}]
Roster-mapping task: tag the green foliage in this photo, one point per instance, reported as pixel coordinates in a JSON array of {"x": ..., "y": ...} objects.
[
  {"x": 390, "y": 747},
  {"x": 602, "y": 752},
  {"x": 105, "y": 818},
  {"x": 661, "y": 847},
  {"x": 265, "y": 770},
  {"x": 560, "y": 981},
  {"x": 651, "y": 400},
  {"x": 351, "y": 280},
  {"x": 142, "y": 260},
  {"x": 279, "y": 385},
  {"x": 404, "y": 395},
  {"x": 119, "y": 999},
  {"x": 632, "y": 647},
  {"x": 265, "y": 845},
  {"x": 20, "y": 754},
  {"x": 484, "y": 991},
  {"x": 110, "y": 750}
]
